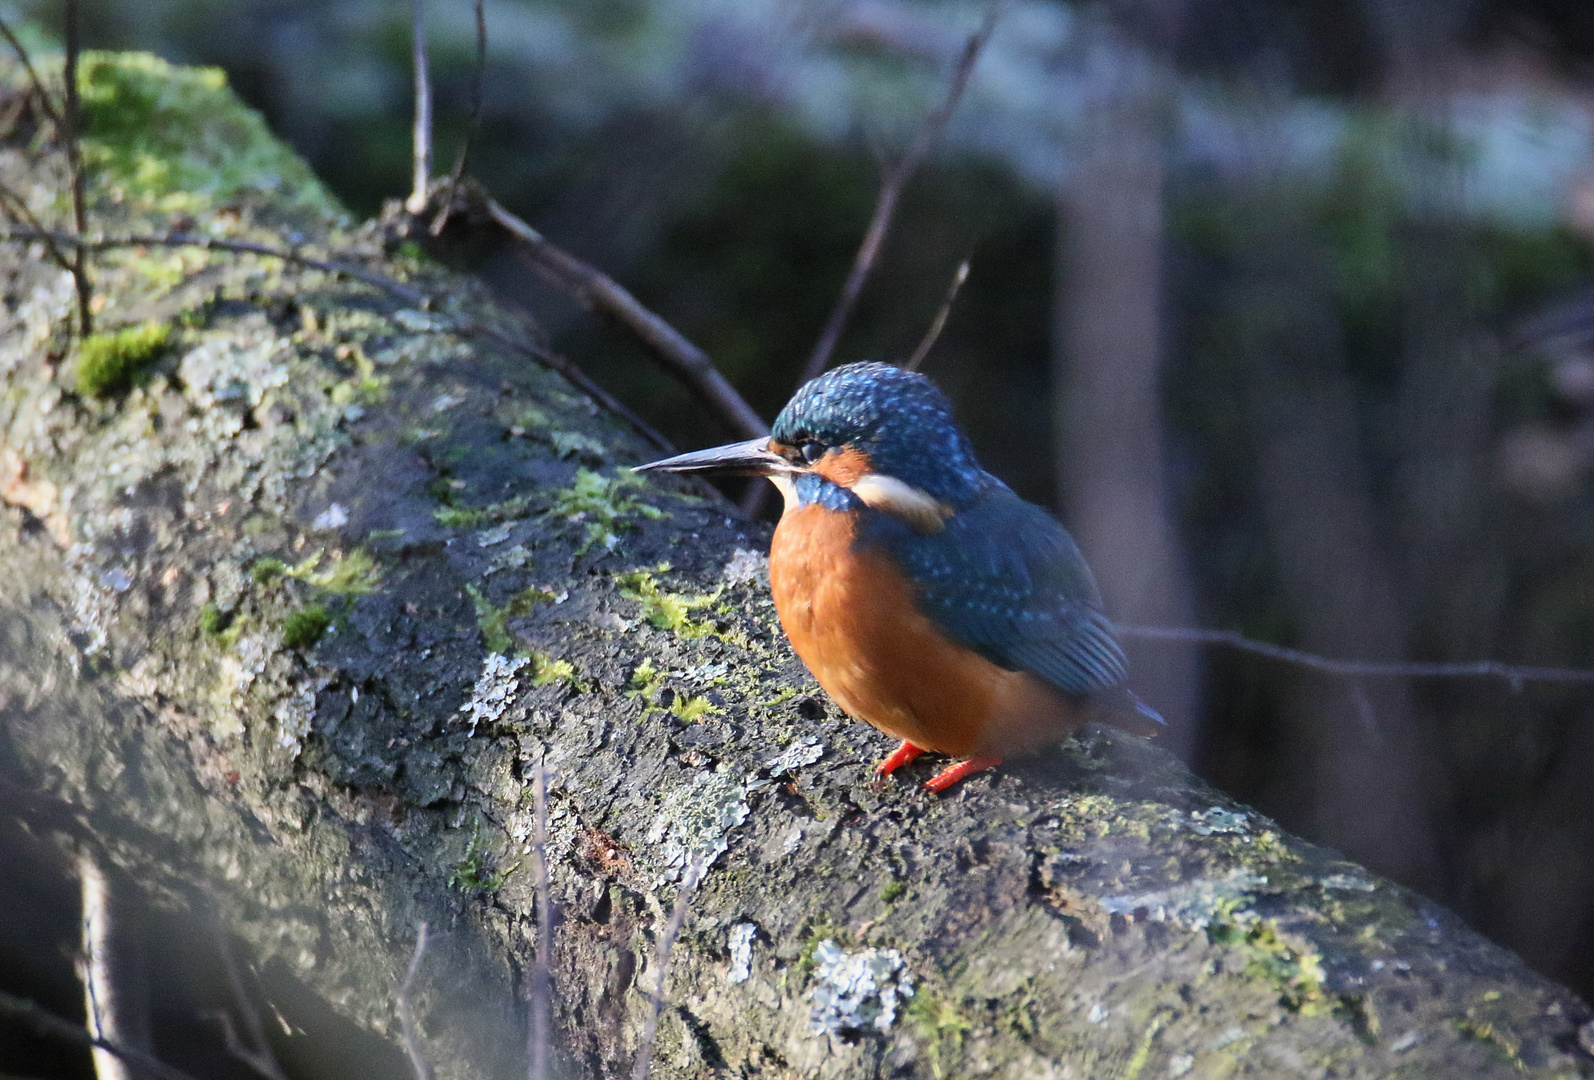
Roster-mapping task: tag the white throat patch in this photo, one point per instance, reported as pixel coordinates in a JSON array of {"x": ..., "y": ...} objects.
[{"x": 918, "y": 508}]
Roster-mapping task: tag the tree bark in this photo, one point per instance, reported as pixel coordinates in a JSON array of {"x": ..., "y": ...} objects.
[{"x": 500, "y": 593}]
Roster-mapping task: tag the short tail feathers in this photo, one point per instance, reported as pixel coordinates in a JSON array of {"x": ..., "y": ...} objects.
[{"x": 1123, "y": 710}]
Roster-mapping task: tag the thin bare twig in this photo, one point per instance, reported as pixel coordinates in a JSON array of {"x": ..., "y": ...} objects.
[
  {"x": 566, "y": 367},
  {"x": 215, "y": 243},
  {"x": 540, "y": 1035},
  {"x": 37, "y": 83},
  {"x": 257, "y": 1055},
  {"x": 71, "y": 125},
  {"x": 406, "y": 1009},
  {"x": 939, "y": 322},
  {"x": 422, "y": 137},
  {"x": 47, "y": 1023},
  {"x": 891, "y": 185},
  {"x": 16, "y": 208},
  {"x": 109, "y": 1011},
  {"x": 1515, "y": 675},
  {"x": 595, "y": 289},
  {"x": 473, "y": 128},
  {"x": 1363, "y": 704},
  {"x": 415, "y": 297},
  {"x": 683, "y": 900}
]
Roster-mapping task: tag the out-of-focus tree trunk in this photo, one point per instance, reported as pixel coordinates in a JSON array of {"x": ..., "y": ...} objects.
[
  {"x": 1360, "y": 743},
  {"x": 1111, "y": 458}
]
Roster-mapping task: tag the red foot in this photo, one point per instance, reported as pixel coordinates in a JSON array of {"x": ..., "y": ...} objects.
[
  {"x": 899, "y": 757},
  {"x": 957, "y": 771}
]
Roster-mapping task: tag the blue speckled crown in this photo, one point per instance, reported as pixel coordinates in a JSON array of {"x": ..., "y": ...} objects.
[{"x": 899, "y": 418}]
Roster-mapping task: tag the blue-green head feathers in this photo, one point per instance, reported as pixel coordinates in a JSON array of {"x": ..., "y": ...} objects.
[{"x": 898, "y": 418}]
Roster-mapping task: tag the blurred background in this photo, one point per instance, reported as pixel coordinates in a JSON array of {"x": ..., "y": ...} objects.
[{"x": 1286, "y": 307}]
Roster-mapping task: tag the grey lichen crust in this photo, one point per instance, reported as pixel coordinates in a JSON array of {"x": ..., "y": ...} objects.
[{"x": 296, "y": 618}]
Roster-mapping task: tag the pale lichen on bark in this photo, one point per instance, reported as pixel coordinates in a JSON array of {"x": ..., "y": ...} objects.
[{"x": 1096, "y": 912}]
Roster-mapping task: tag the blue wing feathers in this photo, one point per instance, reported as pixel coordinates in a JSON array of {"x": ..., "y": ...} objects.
[{"x": 1009, "y": 582}]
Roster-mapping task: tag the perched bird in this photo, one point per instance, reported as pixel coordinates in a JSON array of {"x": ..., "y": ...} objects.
[{"x": 926, "y": 597}]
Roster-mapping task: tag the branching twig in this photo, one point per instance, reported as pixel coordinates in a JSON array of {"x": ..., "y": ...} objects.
[
  {"x": 71, "y": 130},
  {"x": 45, "y": 104},
  {"x": 473, "y": 128},
  {"x": 388, "y": 285},
  {"x": 1513, "y": 674},
  {"x": 592, "y": 287},
  {"x": 47, "y": 1023},
  {"x": 891, "y": 185},
  {"x": 939, "y": 322},
  {"x": 409, "y": 295},
  {"x": 257, "y": 1055},
  {"x": 406, "y": 1009},
  {"x": 422, "y": 138},
  {"x": 16, "y": 208},
  {"x": 540, "y": 1034},
  {"x": 683, "y": 899}
]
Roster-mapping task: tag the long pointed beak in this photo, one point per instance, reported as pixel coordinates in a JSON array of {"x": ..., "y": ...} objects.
[{"x": 750, "y": 458}]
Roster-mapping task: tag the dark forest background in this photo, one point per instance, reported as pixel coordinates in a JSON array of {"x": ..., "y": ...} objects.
[{"x": 1287, "y": 308}]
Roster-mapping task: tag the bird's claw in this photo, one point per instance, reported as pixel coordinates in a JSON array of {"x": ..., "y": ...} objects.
[
  {"x": 899, "y": 757},
  {"x": 957, "y": 771}
]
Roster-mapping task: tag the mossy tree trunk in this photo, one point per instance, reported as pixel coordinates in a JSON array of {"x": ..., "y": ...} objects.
[{"x": 289, "y": 624}]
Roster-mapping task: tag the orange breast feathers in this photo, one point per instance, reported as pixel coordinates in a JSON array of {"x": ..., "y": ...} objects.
[{"x": 851, "y": 617}]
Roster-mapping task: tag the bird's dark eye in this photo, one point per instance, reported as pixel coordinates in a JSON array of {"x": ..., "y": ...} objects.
[{"x": 812, "y": 451}]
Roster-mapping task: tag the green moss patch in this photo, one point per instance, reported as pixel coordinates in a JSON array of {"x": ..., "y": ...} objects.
[
  {"x": 217, "y": 625},
  {"x": 267, "y": 570},
  {"x": 602, "y": 504},
  {"x": 460, "y": 517},
  {"x": 1296, "y": 972},
  {"x": 475, "y": 871},
  {"x": 351, "y": 574},
  {"x": 469, "y": 517},
  {"x": 109, "y": 364},
  {"x": 303, "y": 628},
  {"x": 494, "y": 620},
  {"x": 547, "y": 669},
  {"x": 178, "y": 139},
  {"x": 666, "y": 610},
  {"x": 692, "y": 709},
  {"x": 939, "y": 1024}
]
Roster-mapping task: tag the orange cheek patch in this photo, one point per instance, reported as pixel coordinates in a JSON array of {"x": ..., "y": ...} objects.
[{"x": 844, "y": 467}]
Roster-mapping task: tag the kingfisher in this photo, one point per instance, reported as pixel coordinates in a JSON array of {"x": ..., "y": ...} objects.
[{"x": 926, "y": 597}]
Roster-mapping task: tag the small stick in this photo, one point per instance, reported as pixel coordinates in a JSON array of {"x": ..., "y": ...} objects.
[
  {"x": 45, "y": 103},
  {"x": 1364, "y": 709},
  {"x": 406, "y": 1010},
  {"x": 215, "y": 243},
  {"x": 465, "y": 326},
  {"x": 257, "y": 1056},
  {"x": 891, "y": 186},
  {"x": 104, "y": 1004},
  {"x": 474, "y": 127},
  {"x": 1482, "y": 669},
  {"x": 422, "y": 137},
  {"x": 683, "y": 899},
  {"x": 539, "y": 1037},
  {"x": 595, "y": 289},
  {"x": 71, "y": 122},
  {"x": 16, "y": 208},
  {"x": 47, "y": 1023},
  {"x": 939, "y": 322}
]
